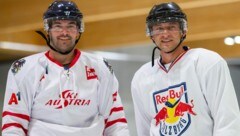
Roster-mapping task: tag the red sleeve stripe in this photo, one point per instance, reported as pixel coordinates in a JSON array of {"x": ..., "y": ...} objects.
[
  {"x": 114, "y": 96},
  {"x": 116, "y": 109},
  {"x": 22, "y": 116},
  {"x": 110, "y": 123},
  {"x": 15, "y": 125}
]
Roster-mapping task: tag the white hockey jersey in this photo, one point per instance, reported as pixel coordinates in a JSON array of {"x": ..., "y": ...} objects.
[
  {"x": 194, "y": 96},
  {"x": 44, "y": 98}
]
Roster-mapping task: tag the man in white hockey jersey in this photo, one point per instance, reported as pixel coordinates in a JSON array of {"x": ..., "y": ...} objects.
[
  {"x": 64, "y": 91},
  {"x": 188, "y": 92}
]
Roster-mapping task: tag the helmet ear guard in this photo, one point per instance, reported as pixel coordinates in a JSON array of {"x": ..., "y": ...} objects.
[
  {"x": 166, "y": 12},
  {"x": 63, "y": 10}
]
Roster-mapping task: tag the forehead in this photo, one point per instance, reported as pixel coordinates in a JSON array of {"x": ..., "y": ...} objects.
[
  {"x": 64, "y": 22},
  {"x": 165, "y": 24}
]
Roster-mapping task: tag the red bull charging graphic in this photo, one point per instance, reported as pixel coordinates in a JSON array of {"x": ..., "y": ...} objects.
[{"x": 173, "y": 110}]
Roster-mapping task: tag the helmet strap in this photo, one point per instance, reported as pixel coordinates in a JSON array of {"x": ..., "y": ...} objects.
[
  {"x": 80, "y": 34},
  {"x": 180, "y": 42},
  {"x": 153, "y": 54}
]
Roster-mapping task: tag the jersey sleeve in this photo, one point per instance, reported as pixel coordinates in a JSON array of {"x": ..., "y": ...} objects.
[
  {"x": 142, "y": 120},
  {"x": 15, "y": 116},
  {"x": 110, "y": 105},
  {"x": 221, "y": 98}
]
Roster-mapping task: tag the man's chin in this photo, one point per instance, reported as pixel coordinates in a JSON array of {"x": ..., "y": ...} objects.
[{"x": 66, "y": 52}]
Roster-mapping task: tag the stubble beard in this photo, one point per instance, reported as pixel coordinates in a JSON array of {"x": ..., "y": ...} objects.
[{"x": 63, "y": 46}]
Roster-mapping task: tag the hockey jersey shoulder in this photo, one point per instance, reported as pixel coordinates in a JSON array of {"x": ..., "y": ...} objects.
[
  {"x": 23, "y": 66},
  {"x": 204, "y": 59},
  {"x": 144, "y": 71},
  {"x": 206, "y": 54},
  {"x": 98, "y": 62},
  {"x": 90, "y": 58}
]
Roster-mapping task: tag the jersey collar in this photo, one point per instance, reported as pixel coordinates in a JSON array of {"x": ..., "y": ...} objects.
[
  {"x": 77, "y": 54},
  {"x": 172, "y": 64}
]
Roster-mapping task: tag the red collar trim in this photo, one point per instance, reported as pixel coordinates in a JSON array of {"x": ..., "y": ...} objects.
[
  {"x": 173, "y": 63},
  {"x": 77, "y": 54}
]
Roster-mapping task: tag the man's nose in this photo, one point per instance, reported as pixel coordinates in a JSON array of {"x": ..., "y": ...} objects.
[
  {"x": 165, "y": 32},
  {"x": 65, "y": 31}
]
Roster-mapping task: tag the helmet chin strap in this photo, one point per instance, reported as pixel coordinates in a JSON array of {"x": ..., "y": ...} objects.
[
  {"x": 180, "y": 42},
  {"x": 153, "y": 53},
  {"x": 47, "y": 39},
  {"x": 156, "y": 47}
]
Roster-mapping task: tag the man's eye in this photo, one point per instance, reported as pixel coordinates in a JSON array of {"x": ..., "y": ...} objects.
[
  {"x": 70, "y": 27},
  {"x": 172, "y": 28},
  {"x": 73, "y": 26},
  {"x": 160, "y": 29},
  {"x": 56, "y": 26}
]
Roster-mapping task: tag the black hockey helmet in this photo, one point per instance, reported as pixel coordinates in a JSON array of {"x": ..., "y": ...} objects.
[
  {"x": 166, "y": 12},
  {"x": 63, "y": 10}
]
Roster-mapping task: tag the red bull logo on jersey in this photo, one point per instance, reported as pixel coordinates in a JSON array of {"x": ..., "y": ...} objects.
[
  {"x": 68, "y": 98},
  {"x": 173, "y": 110}
]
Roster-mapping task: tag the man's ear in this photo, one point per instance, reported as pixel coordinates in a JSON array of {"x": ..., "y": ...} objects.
[
  {"x": 78, "y": 35},
  {"x": 184, "y": 33},
  {"x": 48, "y": 34}
]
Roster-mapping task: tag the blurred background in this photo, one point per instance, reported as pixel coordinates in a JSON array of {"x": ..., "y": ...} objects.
[{"x": 115, "y": 29}]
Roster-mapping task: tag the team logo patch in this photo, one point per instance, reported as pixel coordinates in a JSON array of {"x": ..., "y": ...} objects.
[
  {"x": 173, "y": 110},
  {"x": 90, "y": 73},
  {"x": 16, "y": 66},
  {"x": 67, "y": 98},
  {"x": 67, "y": 13},
  {"x": 108, "y": 65}
]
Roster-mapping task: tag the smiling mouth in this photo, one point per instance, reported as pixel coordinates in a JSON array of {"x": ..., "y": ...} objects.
[
  {"x": 64, "y": 39},
  {"x": 166, "y": 41}
]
